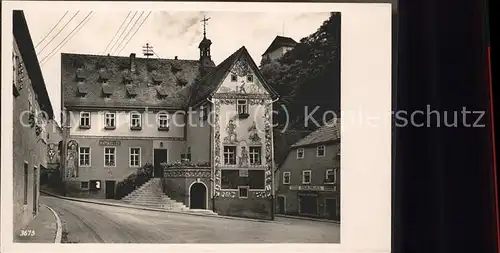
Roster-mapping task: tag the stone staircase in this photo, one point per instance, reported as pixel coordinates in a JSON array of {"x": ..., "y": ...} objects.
[{"x": 151, "y": 194}]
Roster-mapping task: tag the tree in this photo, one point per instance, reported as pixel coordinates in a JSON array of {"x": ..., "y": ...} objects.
[{"x": 308, "y": 76}]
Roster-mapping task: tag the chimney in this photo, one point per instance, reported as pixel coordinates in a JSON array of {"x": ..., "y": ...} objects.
[{"x": 132, "y": 62}]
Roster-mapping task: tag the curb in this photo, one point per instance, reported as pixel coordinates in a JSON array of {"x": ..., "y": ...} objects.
[
  {"x": 59, "y": 225},
  {"x": 155, "y": 209},
  {"x": 306, "y": 218}
]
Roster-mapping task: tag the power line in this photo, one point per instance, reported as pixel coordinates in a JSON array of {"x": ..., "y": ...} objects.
[
  {"x": 131, "y": 28},
  {"x": 126, "y": 27},
  {"x": 54, "y": 27},
  {"x": 138, "y": 28},
  {"x": 68, "y": 38},
  {"x": 117, "y": 32},
  {"x": 39, "y": 52}
]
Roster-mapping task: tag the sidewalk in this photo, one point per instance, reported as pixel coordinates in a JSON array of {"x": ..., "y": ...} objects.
[
  {"x": 118, "y": 203},
  {"x": 306, "y": 218},
  {"x": 42, "y": 229}
]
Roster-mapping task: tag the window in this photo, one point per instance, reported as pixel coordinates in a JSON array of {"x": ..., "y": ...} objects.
[
  {"x": 95, "y": 185},
  {"x": 229, "y": 155},
  {"x": 243, "y": 192},
  {"x": 320, "y": 151},
  {"x": 84, "y": 185},
  {"x": 109, "y": 157},
  {"x": 306, "y": 177},
  {"x": 109, "y": 120},
  {"x": 330, "y": 176},
  {"x": 250, "y": 78},
  {"x": 162, "y": 121},
  {"x": 25, "y": 200},
  {"x": 234, "y": 78},
  {"x": 242, "y": 107},
  {"x": 135, "y": 157},
  {"x": 255, "y": 155},
  {"x": 286, "y": 177},
  {"x": 135, "y": 121},
  {"x": 84, "y": 119},
  {"x": 84, "y": 156},
  {"x": 300, "y": 153}
]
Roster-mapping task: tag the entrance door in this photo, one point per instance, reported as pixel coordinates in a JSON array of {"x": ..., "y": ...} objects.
[
  {"x": 281, "y": 204},
  {"x": 110, "y": 189},
  {"x": 197, "y": 196},
  {"x": 35, "y": 190},
  {"x": 160, "y": 157},
  {"x": 331, "y": 209},
  {"x": 309, "y": 204}
]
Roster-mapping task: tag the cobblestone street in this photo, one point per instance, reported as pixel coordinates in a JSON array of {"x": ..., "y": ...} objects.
[{"x": 93, "y": 223}]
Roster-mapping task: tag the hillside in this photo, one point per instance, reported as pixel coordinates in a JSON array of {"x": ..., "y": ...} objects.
[{"x": 308, "y": 76}]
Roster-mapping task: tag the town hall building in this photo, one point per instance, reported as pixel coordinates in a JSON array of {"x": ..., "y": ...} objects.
[{"x": 124, "y": 112}]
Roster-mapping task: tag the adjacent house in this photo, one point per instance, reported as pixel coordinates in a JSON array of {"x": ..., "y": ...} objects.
[
  {"x": 32, "y": 112},
  {"x": 309, "y": 178},
  {"x": 278, "y": 48},
  {"x": 128, "y": 111}
]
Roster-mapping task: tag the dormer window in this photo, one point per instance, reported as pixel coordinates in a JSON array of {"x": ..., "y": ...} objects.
[
  {"x": 80, "y": 75},
  {"x": 176, "y": 67},
  {"x": 250, "y": 78},
  {"x": 103, "y": 76},
  {"x": 107, "y": 90},
  {"x": 131, "y": 91},
  {"x": 156, "y": 79},
  {"x": 234, "y": 78},
  {"x": 181, "y": 82},
  {"x": 161, "y": 92},
  {"x": 82, "y": 89},
  {"x": 127, "y": 79},
  {"x": 242, "y": 107}
]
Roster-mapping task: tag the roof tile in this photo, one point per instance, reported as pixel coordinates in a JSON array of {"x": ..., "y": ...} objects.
[
  {"x": 329, "y": 132},
  {"x": 118, "y": 66}
]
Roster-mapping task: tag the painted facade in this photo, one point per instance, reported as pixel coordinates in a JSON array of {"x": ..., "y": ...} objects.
[
  {"x": 32, "y": 112},
  {"x": 207, "y": 107}
]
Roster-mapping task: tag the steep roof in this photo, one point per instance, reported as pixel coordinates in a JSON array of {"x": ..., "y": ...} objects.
[
  {"x": 280, "y": 41},
  {"x": 211, "y": 82},
  {"x": 329, "y": 132},
  {"x": 152, "y": 83},
  {"x": 28, "y": 54}
]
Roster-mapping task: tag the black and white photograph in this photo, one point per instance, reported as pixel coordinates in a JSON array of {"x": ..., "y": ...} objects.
[{"x": 182, "y": 126}]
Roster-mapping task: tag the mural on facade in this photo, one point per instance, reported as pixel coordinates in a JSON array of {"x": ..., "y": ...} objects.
[
  {"x": 252, "y": 135},
  {"x": 242, "y": 85},
  {"x": 51, "y": 153},
  {"x": 269, "y": 159},
  {"x": 217, "y": 172},
  {"x": 232, "y": 136},
  {"x": 243, "y": 159},
  {"x": 72, "y": 160}
]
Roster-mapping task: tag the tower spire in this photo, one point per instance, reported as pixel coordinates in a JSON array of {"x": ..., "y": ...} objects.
[{"x": 204, "y": 20}]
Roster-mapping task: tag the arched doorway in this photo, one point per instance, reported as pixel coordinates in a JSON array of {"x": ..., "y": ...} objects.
[{"x": 197, "y": 196}]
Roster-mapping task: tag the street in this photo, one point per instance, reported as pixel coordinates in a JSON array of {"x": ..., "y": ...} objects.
[{"x": 93, "y": 223}]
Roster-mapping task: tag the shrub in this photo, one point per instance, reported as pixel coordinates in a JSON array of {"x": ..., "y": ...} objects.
[{"x": 134, "y": 181}]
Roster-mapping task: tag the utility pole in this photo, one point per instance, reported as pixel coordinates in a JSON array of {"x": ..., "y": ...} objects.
[{"x": 147, "y": 51}]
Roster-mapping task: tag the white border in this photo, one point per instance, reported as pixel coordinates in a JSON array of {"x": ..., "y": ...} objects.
[{"x": 365, "y": 88}]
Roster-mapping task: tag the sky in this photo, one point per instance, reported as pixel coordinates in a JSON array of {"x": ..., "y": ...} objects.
[{"x": 169, "y": 33}]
